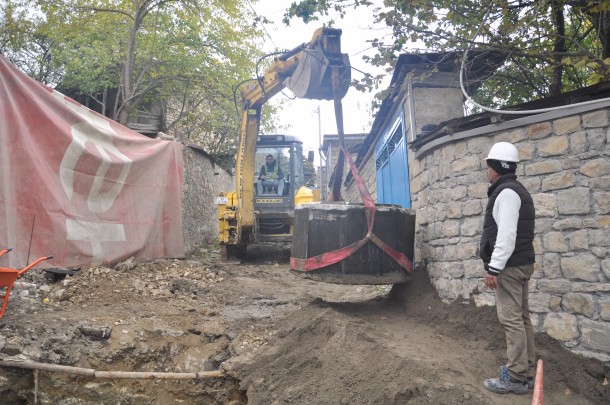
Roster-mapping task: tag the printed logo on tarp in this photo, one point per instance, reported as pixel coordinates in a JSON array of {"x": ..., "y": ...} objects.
[{"x": 98, "y": 132}]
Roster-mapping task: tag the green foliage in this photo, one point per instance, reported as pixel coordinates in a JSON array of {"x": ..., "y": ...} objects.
[
  {"x": 308, "y": 10},
  {"x": 549, "y": 46},
  {"x": 184, "y": 55},
  {"x": 309, "y": 173}
]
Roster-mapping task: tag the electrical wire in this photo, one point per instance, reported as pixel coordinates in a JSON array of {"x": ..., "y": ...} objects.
[
  {"x": 261, "y": 23},
  {"x": 508, "y": 112}
]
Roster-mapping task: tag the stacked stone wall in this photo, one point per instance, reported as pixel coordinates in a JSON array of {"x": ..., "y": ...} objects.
[
  {"x": 368, "y": 173},
  {"x": 349, "y": 193},
  {"x": 565, "y": 165},
  {"x": 203, "y": 180}
]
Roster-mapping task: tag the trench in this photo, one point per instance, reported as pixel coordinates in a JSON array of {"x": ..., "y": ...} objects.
[
  {"x": 55, "y": 388},
  {"x": 20, "y": 386},
  {"x": 60, "y": 389},
  {"x": 161, "y": 337}
]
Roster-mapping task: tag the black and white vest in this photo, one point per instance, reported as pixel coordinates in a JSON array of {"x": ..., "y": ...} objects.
[{"x": 524, "y": 246}]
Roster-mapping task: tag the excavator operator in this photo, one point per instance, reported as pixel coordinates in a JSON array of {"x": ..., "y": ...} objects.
[{"x": 270, "y": 177}]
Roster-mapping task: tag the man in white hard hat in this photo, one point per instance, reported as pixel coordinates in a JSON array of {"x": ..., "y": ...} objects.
[{"x": 507, "y": 251}]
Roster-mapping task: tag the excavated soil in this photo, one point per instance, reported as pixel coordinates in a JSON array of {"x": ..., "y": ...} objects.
[{"x": 278, "y": 338}]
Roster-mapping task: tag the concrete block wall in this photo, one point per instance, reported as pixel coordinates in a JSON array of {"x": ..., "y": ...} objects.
[
  {"x": 203, "y": 180},
  {"x": 565, "y": 165},
  {"x": 430, "y": 103}
]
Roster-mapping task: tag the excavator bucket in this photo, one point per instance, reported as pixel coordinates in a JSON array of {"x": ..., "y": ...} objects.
[{"x": 312, "y": 77}]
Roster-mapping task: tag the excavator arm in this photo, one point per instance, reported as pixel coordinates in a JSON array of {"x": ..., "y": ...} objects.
[{"x": 306, "y": 71}]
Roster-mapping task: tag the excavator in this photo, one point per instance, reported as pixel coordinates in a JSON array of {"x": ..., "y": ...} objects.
[
  {"x": 337, "y": 242},
  {"x": 247, "y": 215}
]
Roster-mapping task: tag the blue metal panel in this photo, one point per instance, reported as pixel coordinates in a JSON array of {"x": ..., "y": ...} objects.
[
  {"x": 387, "y": 184},
  {"x": 379, "y": 183},
  {"x": 382, "y": 140},
  {"x": 392, "y": 166},
  {"x": 400, "y": 177}
]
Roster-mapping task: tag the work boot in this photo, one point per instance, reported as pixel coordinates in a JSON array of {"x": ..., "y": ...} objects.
[
  {"x": 503, "y": 370},
  {"x": 506, "y": 384}
]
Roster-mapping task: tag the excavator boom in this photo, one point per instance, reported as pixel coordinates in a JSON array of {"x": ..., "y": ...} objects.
[{"x": 306, "y": 71}]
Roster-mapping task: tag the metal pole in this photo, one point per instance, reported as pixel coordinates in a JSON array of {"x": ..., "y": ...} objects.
[
  {"x": 322, "y": 181},
  {"x": 412, "y": 123}
]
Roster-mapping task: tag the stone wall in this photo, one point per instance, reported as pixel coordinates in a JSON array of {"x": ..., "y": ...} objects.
[
  {"x": 368, "y": 173},
  {"x": 332, "y": 151},
  {"x": 565, "y": 165},
  {"x": 203, "y": 180}
]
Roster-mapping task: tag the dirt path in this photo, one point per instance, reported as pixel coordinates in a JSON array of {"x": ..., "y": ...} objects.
[{"x": 281, "y": 339}]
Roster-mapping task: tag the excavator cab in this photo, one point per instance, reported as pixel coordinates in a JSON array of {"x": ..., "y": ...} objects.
[{"x": 274, "y": 198}]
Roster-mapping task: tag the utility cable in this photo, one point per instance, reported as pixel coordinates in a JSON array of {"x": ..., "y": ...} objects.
[
  {"x": 509, "y": 112},
  {"x": 261, "y": 23}
]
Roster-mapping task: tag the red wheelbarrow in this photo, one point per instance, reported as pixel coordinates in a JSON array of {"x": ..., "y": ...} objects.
[{"x": 8, "y": 277}]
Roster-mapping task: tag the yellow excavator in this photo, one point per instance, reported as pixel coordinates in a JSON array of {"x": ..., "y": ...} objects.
[{"x": 251, "y": 213}]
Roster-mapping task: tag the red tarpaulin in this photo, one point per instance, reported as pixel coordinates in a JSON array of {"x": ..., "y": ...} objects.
[{"x": 79, "y": 186}]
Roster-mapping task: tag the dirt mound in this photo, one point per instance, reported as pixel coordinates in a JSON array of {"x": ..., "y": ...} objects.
[
  {"x": 323, "y": 356},
  {"x": 407, "y": 347}
]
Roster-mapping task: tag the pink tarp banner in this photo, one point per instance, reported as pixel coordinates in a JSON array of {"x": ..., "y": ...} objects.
[{"x": 79, "y": 186}]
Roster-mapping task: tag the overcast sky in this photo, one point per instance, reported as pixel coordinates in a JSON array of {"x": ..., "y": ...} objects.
[{"x": 301, "y": 114}]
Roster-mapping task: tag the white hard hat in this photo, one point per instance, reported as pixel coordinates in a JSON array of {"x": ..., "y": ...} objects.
[{"x": 504, "y": 152}]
